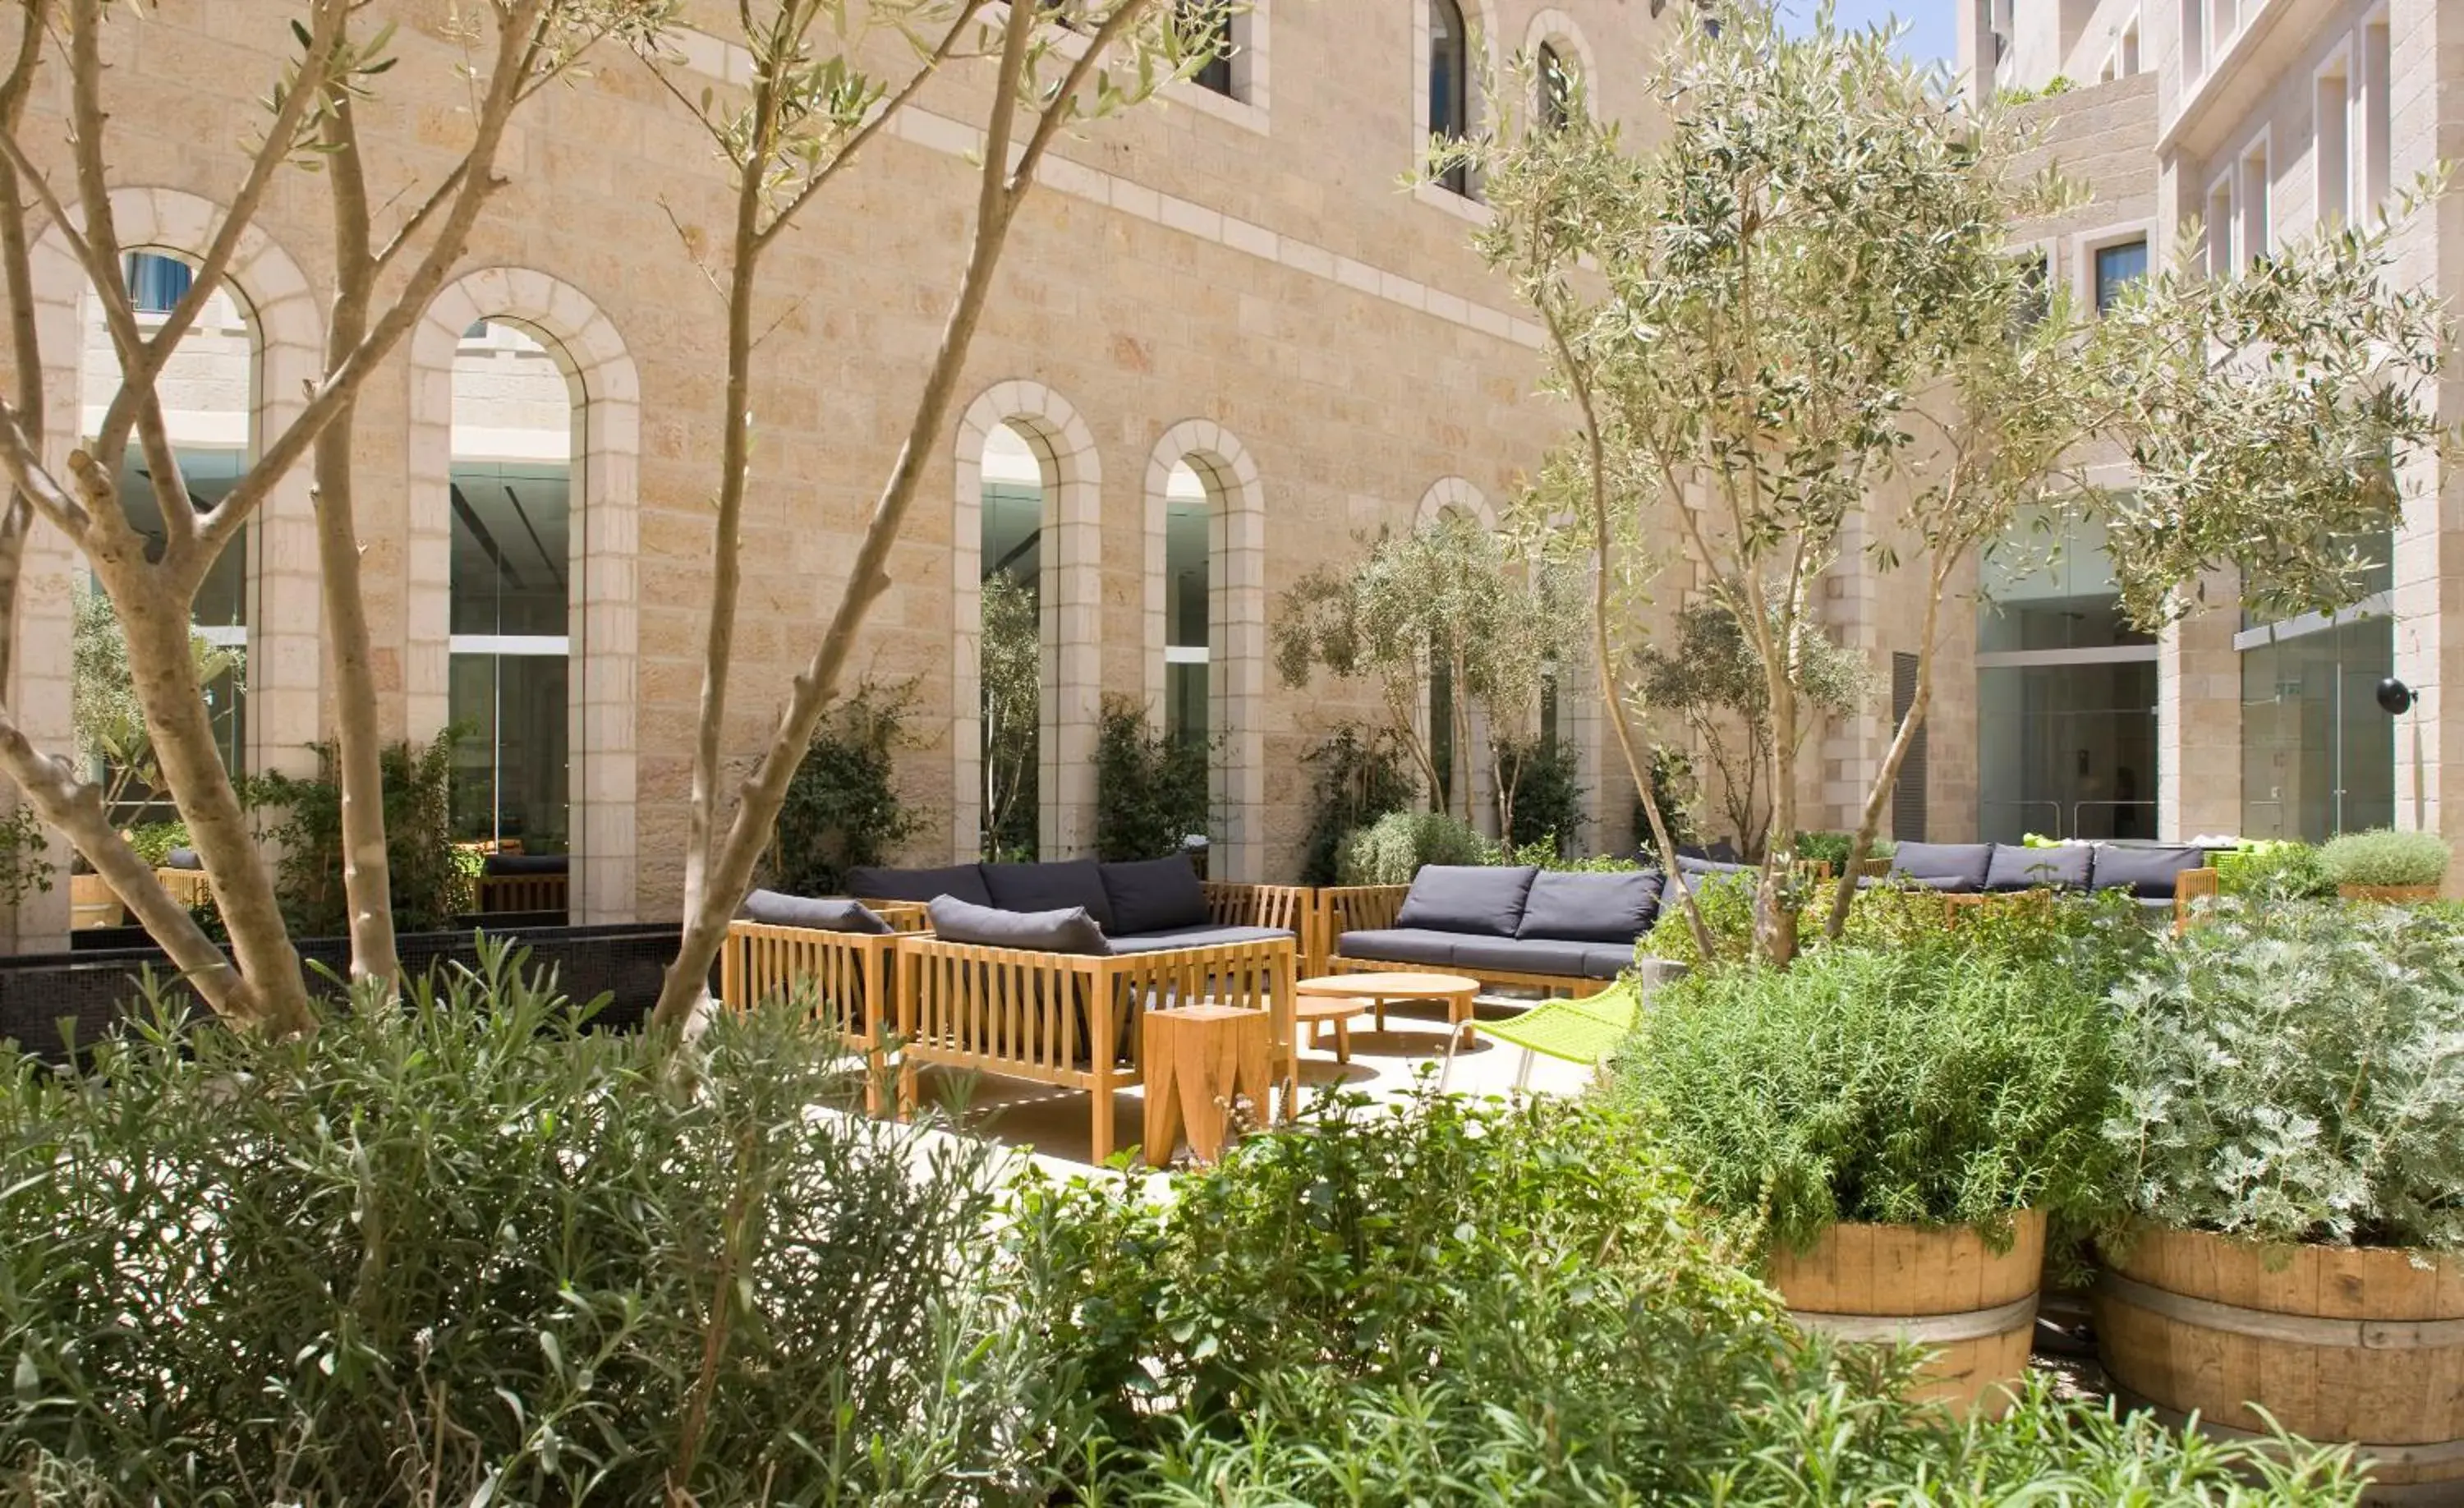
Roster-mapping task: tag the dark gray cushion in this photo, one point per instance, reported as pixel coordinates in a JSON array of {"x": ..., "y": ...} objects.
[
  {"x": 1154, "y": 895},
  {"x": 1053, "y": 887},
  {"x": 184, "y": 859},
  {"x": 1479, "y": 900},
  {"x": 1067, "y": 930},
  {"x": 773, "y": 908},
  {"x": 964, "y": 881},
  {"x": 1709, "y": 867},
  {"x": 1590, "y": 907},
  {"x": 1196, "y": 937},
  {"x": 1607, "y": 961},
  {"x": 1523, "y": 956},
  {"x": 1957, "y": 867},
  {"x": 1400, "y": 944},
  {"x": 2017, "y": 868},
  {"x": 528, "y": 864},
  {"x": 2147, "y": 873}
]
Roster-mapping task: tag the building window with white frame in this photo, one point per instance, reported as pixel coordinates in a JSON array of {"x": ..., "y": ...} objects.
[
  {"x": 2374, "y": 156},
  {"x": 514, "y": 517},
  {"x": 1450, "y": 86},
  {"x": 2256, "y": 238},
  {"x": 2331, "y": 150},
  {"x": 2117, "y": 267},
  {"x": 1215, "y": 74}
]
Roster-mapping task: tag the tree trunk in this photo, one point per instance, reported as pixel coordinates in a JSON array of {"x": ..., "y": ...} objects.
[
  {"x": 272, "y": 995},
  {"x": 367, "y": 878}
]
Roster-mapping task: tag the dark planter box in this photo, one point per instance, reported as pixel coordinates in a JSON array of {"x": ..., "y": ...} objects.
[{"x": 49, "y": 999}]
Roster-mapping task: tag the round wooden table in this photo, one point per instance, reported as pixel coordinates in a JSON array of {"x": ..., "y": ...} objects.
[{"x": 1375, "y": 990}]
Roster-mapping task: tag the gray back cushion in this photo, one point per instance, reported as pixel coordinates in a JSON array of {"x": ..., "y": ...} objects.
[
  {"x": 1590, "y": 907},
  {"x": 1956, "y": 867},
  {"x": 1067, "y": 930},
  {"x": 527, "y": 864},
  {"x": 1480, "y": 899},
  {"x": 1688, "y": 864},
  {"x": 1154, "y": 895},
  {"x": 183, "y": 859},
  {"x": 964, "y": 881},
  {"x": 2017, "y": 868},
  {"x": 1050, "y": 887},
  {"x": 2147, "y": 873},
  {"x": 772, "y": 909}
]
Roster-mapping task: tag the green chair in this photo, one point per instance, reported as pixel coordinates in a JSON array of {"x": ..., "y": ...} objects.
[{"x": 1581, "y": 1031}]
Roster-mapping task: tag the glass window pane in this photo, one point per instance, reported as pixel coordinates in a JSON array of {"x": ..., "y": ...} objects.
[
  {"x": 2318, "y": 755},
  {"x": 512, "y": 547},
  {"x": 511, "y": 759},
  {"x": 2066, "y": 751},
  {"x": 2117, "y": 268}
]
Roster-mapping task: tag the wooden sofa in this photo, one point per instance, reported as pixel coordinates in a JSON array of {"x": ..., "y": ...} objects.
[
  {"x": 847, "y": 976},
  {"x": 1483, "y": 923},
  {"x": 1073, "y": 1019}
]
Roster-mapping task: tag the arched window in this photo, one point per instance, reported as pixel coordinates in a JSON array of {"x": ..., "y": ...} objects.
[
  {"x": 1189, "y": 554},
  {"x": 514, "y": 521},
  {"x": 209, "y": 390},
  {"x": 1016, "y": 619},
  {"x": 1556, "y": 84},
  {"x": 1450, "y": 84}
]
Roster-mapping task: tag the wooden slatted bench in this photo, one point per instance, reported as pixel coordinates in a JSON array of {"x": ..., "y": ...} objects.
[
  {"x": 1073, "y": 1019},
  {"x": 846, "y": 976}
]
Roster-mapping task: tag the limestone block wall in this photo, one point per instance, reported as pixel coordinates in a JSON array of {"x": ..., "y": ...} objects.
[{"x": 1248, "y": 277}]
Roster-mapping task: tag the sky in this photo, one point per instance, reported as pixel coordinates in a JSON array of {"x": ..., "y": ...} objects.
[{"x": 1933, "y": 38}]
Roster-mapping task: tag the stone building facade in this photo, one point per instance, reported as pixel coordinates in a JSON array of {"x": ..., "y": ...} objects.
[
  {"x": 2216, "y": 130},
  {"x": 1230, "y": 304}
]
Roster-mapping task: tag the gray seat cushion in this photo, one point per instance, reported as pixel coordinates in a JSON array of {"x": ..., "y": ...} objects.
[
  {"x": 2017, "y": 868},
  {"x": 1196, "y": 937},
  {"x": 964, "y": 881},
  {"x": 1959, "y": 868},
  {"x": 1477, "y": 900},
  {"x": 1051, "y": 887},
  {"x": 1400, "y": 944},
  {"x": 1607, "y": 961},
  {"x": 773, "y": 908},
  {"x": 2147, "y": 873},
  {"x": 1521, "y": 955},
  {"x": 1686, "y": 863},
  {"x": 1154, "y": 895},
  {"x": 1590, "y": 907},
  {"x": 1066, "y": 930}
]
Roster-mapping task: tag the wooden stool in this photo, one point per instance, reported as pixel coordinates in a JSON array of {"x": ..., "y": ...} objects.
[
  {"x": 1198, "y": 1059},
  {"x": 1314, "y": 1011}
]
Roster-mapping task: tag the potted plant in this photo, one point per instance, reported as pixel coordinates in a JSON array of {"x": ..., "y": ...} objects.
[
  {"x": 2383, "y": 864},
  {"x": 2290, "y": 1122},
  {"x": 1897, "y": 1124}
]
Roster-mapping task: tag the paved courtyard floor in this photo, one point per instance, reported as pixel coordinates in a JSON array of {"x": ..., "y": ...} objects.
[{"x": 1051, "y": 1125}]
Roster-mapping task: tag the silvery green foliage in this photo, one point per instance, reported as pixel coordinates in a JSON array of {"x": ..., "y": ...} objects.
[{"x": 2296, "y": 1073}]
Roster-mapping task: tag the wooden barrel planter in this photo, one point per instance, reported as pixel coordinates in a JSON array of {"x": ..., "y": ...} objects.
[
  {"x": 93, "y": 902},
  {"x": 2337, "y": 1344},
  {"x": 1941, "y": 1288},
  {"x": 2389, "y": 894}
]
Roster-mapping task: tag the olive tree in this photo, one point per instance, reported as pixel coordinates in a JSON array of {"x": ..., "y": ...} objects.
[
  {"x": 1048, "y": 69},
  {"x": 1448, "y": 596},
  {"x": 1808, "y": 339},
  {"x": 56, "y": 179}
]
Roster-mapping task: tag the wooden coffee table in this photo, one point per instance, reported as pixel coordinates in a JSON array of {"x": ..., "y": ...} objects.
[{"x": 1376, "y": 989}]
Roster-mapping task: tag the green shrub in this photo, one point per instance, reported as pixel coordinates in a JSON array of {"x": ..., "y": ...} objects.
[
  {"x": 1393, "y": 848},
  {"x": 430, "y": 877},
  {"x": 1679, "y": 793},
  {"x": 1547, "y": 798},
  {"x": 1831, "y": 849},
  {"x": 2286, "y": 871},
  {"x": 1456, "y": 1303},
  {"x": 2297, "y": 1074},
  {"x": 155, "y": 841},
  {"x": 843, "y": 811},
  {"x": 2385, "y": 857},
  {"x": 470, "y": 1251},
  {"x": 1925, "y": 1085},
  {"x": 1151, "y": 790},
  {"x": 1726, "y": 904},
  {"x": 25, "y": 856},
  {"x": 1360, "y": 776}
]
